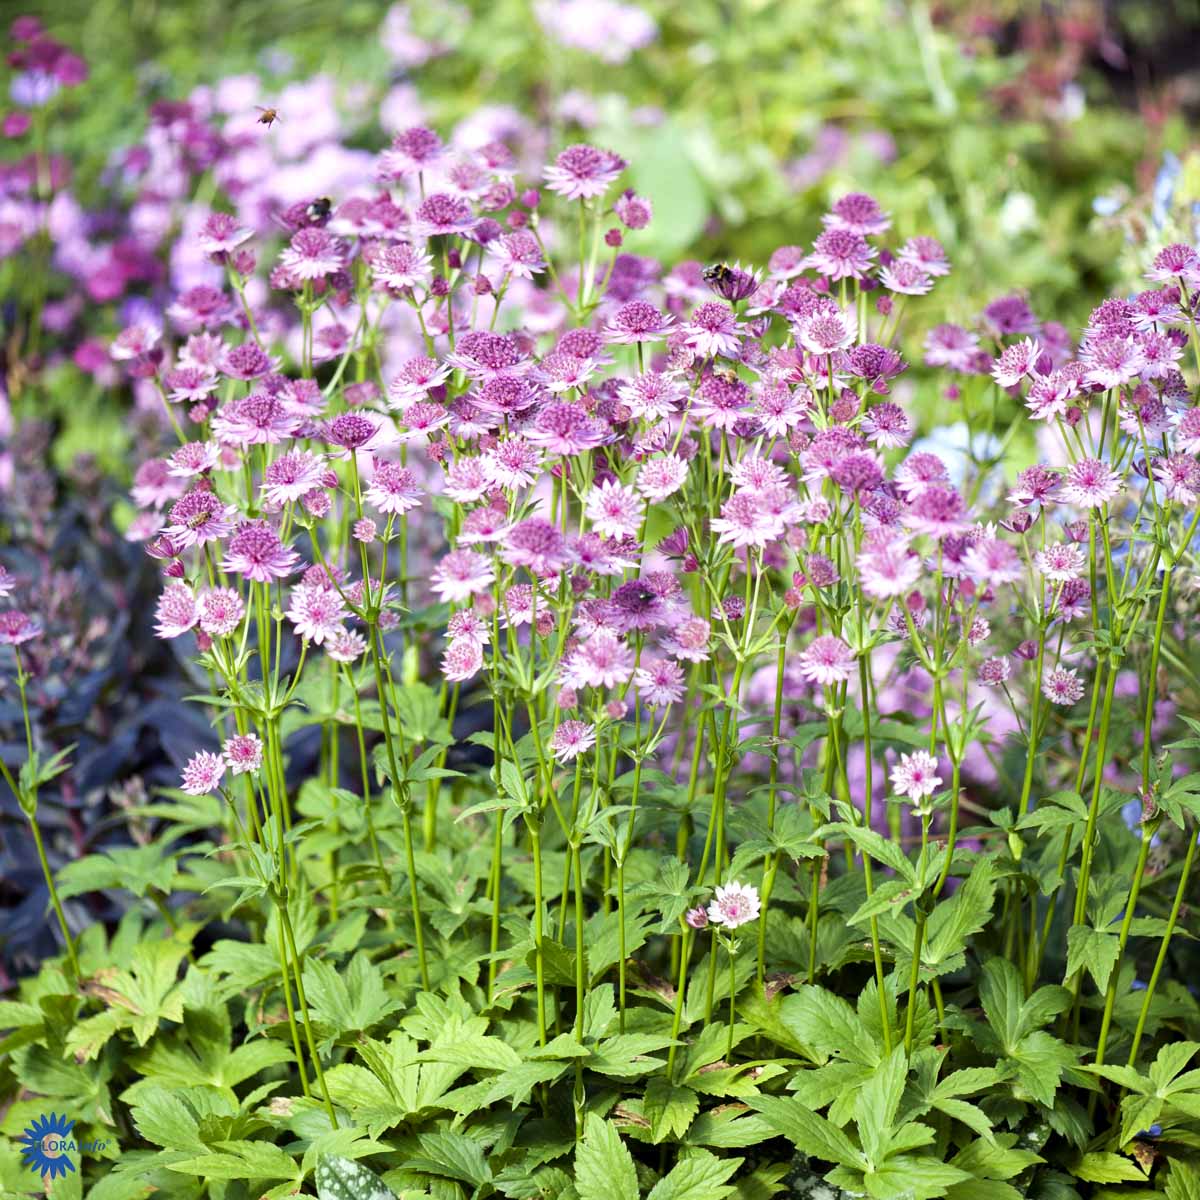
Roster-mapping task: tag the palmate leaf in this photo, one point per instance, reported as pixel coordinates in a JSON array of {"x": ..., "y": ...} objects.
[
  {"x": 701, "y": 1177},
  {"x": 669, "y": 1109},
  {"x": 809, "y": 1131},
  {"x": 955, "y": 920},
  {"x": 1097, "y": 950},
  {"x": 348, "y": 1001},
  {"x": 604, "y": 1167}
]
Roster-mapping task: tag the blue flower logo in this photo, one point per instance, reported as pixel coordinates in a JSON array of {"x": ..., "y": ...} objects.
[{"x": 45, "y": 1145}]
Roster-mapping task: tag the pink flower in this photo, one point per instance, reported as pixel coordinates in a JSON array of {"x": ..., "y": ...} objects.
[
  {"x": 517, "y": 254},
  {"x": 1061, "y": 561},
  {"x": 915, "y": 776},
  {"x": 614, "y": 510},
  {"x": 637, "y": 321},
  {"x": 581, "y": 172},
  {"x": 1062, "y": 686},
  {"x": 393, "y": 489},
  {"x": 826, "y": 333},
  {"x": 415, "y": 378},
  {"x": 463, "y": 659},
  {"x": 1179, "y": 476},
  {"x": 659, "y": 681},
  {"x": 827, "y": 660},
  {"x": 244, "y": 753},
  {"x": 291, "y": 476},
  {"x": 316, "y": 612},
  {"x": 734, "y": 904},
  {"x": 220, "y": 611},
  {"x": 199, "y": 517},
  {"x": 203, "y": 774},
  {"x": 604, "y": 660},
  {"x": 571, "y": 739},
  {"x": 256, "y": 552},
  {"x": 661, "y": 477},
  {"x": 1015, "y": 362},
  {"x": 886, "y": 568},
  {"x": 746, "y": 520},
  {"x": 859, "y": 213},
  {"x": 176, "y": 612},
  {"x": 994, "y": 672},
  {"x": 18, "y": 627},
  {"x": 460, "y": 575},
  {"x": 841, "y": 253},
  {"x": 713, "y": 331},
  {"x": 1090, "y": 484}
]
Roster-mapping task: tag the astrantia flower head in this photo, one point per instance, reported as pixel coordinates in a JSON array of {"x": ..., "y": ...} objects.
[
  {"x": 571, "y": 739},
  {"x": 1090, "y": 483},
  {"x": 316, "y": 612},
  {"x": 461, "y": 574},
  {"x": 1179, "y": 476},
  {"x": 637, "y": 321},
  {"x": 905, "y": 279},
  {"x": 393, "y": 489},
  {"x": 220, "y": 612},
  {"x": 938, "y": 511},
  {"x": 951, "y": 346},
  {"x": 747, "y": 520},
  {"x": 199, "y": 517},
  {"x": 1061, "y": 561},
  {"x": 887, "y": 425},
  {"x": 926, "y": 253},
  {"x": 462, "y": 660},
  {"x": 1015, "y": 362},
  {"x": 614, "y": 509},
  {"x": 826, "y": 660},
  {"x": 412, "y": 151},
  {"x": 994, "y": 672},
  {"x": 17, "y": 627},
  {"x": 442, "y": 214},
  {"x": 203, "y": 774},
  {"x": 602, "y": 661},
  {"x": 1062, "y": 686},
  {"x": 841, "y": 253},
  {"x": 256, "y": 552},
  {"x": 313, "y": 253},
  {"x": 400, "y": 265},
  {"x": 176, "y": 612},
  {"x": 581, "y": 172},
  {"x": 915, "y": 776},
  {"x": 712, "y": 331},
  {"x": 733, "y": 905},
  {"x": 859, "y": 213},
  {"x": 244, "y": 753},
  {"x": 826, "y": 333},
  {"x": 292, "y": 476}
]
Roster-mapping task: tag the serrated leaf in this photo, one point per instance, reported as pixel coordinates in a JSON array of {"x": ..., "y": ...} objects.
[
  {"x": 604, "y": 1167},
  {"x": 701, "y": 1177},
  {"x": 1096, "y": 950},
  {"x": 669, "y": 1109}
]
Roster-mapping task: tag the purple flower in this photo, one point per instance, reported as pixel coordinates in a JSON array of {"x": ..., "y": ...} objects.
[
  {"x": 256, "y": 552},
  {"x": 581, "y": 172}
]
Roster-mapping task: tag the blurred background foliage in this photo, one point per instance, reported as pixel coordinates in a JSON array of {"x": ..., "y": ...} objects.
[{"x": 992, "y": 125}]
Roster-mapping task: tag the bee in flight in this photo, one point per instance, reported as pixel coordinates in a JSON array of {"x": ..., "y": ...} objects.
[{"x": 267, "y": 116}]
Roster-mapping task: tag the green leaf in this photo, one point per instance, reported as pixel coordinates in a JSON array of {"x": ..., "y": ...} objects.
[
  {"x": 829, "y": 1025},
  {"x": 162, "y": 1117},
  {"x": 604, "y": 1167},
  {"x": 1105, "y": 1167},
  {"x": 669, "y": 1109},
  {"x": 453, "y": 1156},
  {"x": 877, "y": 1103},
  {"x": 341, "y": 1179},
  {"x": 701, "y": 1177},
  {"x": 1183, "y": 1182},
  {"x": 1095, "y": 949},
  {"x": 916, "y": 1177},
  {"x": 808, "y": 1131},
  {"x": 952, "y": 922}
]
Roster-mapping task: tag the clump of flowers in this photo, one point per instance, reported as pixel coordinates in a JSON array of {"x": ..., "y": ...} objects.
[{"x": 450, "y": 450}]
